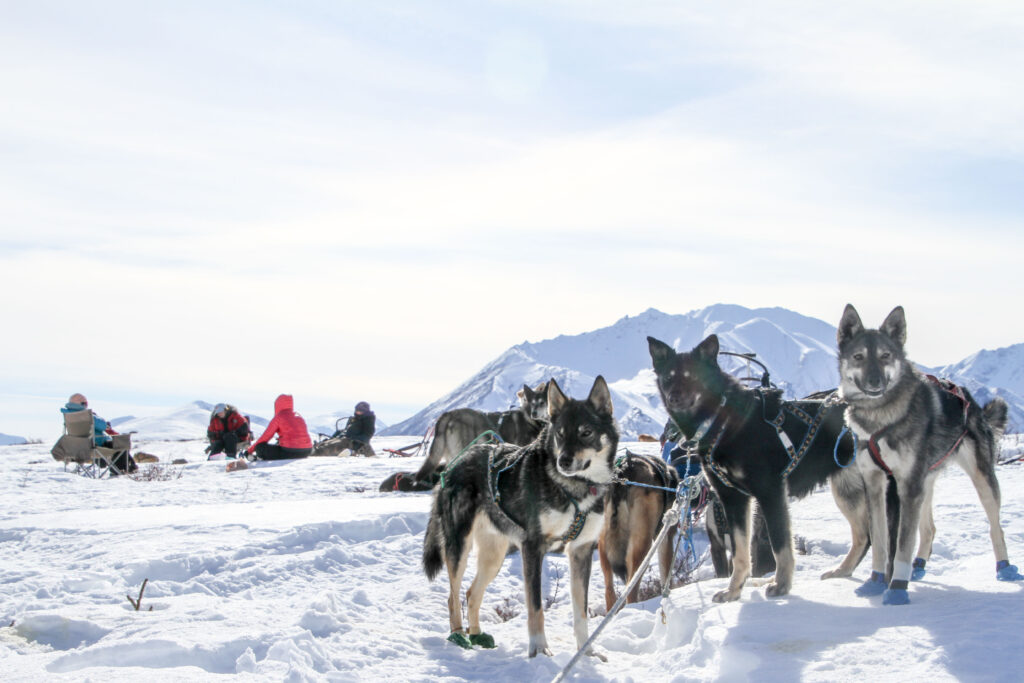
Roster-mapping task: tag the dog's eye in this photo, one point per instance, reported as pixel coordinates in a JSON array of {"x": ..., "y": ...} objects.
[
  {"x": 885, "y": 355},
  {"x": 585, "y": 432},
  {"x": 858, "y": 357}
]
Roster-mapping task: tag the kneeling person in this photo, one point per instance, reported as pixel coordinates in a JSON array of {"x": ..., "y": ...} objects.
[{"x": 227, "y": 429}]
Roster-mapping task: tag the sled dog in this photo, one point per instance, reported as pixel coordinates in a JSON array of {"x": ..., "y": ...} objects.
[
  {"x": 632, "y": 519},
  {"x": 909, "y": 426},
  {"x": 457, "y": 428},
  {"x": 742, "y": 454},
  {"x": 532, "y": 497}
]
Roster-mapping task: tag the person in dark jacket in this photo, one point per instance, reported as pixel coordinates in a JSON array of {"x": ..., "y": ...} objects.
[
  {"x": 227, "y": 429},
  {"x": 358, "y": 431},
  {"x": 292, "y": 435}
]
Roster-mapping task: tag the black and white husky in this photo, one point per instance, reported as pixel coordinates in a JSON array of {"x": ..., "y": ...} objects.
[
  {"x": 743, "y": 455},
  {"x": 546, "y": 493},
  {"x": 910, "y": 426}
]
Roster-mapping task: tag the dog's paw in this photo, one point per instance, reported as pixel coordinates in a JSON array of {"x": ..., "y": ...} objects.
[
  {"x": 873, "y": 586},
  {"x": 834, "y": 574},
  {"x": 539, "y": 644},
  {"x": 594, "y": 653},
  {"x": 485, "y": 640},
  {"x": 896, "y": 596},
  {"x": 459, "y": 638},
  {"x": 1007, "y": 572},
  {"x": 726, "y": 596},
  {"x": 775, "y": 590},
  {"x": 918, "y": 571}
]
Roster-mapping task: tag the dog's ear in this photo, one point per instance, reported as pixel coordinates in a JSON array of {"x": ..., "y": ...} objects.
[
  {"x": 600, "y": 397},
  {"x": 708, "y": 348},
  {"x": 556, "y": 399},
  {"x": 895, "y": 326},
  {"x": 524, "y": 393},
  {"x": 850, "y": 325},
  {"x": 661, "y": 353}
]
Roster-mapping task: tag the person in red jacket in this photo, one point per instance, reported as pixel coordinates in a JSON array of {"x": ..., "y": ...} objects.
[
  {"x": 228, "y": 428},
  {"x": 292, "y": 435}
]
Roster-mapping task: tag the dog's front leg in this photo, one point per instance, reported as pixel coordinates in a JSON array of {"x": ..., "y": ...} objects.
[
  {"x": 776, "y": 516},
  {"x": 737, "y": 512},
  {"x": 911, "y": 490},
  {"x": 533, "y": 558},
  {"x": 580, "y": 560},
  {"x": 875, "y": 483}
]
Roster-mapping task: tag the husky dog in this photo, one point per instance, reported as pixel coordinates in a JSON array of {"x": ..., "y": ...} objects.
[
  {"x": 632, "y": 520},
  {"x": 457, "y": 428},
  {"x": 407, "y": 481},
  {"x": 742, "y": 454},
  {"x": 534, "y": 497},
  {"x": 909, "y": 427}
]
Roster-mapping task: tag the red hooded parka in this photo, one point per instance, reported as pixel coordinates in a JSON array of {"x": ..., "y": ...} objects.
[{"x": 288, "y": 424}]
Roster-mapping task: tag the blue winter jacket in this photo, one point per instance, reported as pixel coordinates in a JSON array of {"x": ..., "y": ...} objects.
[{"x": 99, "y": 425}]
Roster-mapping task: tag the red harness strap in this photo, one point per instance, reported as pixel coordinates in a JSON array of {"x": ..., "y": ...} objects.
[
  {"x": 958, "y": 392},
  {"x": 949, "y": 388},
  {"x": 876, "y": 453}
]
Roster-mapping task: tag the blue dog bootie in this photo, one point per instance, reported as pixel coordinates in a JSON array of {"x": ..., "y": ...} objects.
[
  {"x": 873, "y": 586},
  {"x": 896, "y": 594},
  {"x": 1007, "y": 572},
  {"x": 918, "y": 572}
]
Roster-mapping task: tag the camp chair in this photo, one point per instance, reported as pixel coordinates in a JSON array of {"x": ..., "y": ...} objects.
[{"x": 78, "y": 446}]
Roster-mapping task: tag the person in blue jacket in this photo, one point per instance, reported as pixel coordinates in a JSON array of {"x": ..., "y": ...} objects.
[{"x": 101, "y": 431}]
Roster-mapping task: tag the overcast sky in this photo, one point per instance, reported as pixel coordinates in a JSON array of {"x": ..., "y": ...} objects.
[{"x": 370, "y": 200}]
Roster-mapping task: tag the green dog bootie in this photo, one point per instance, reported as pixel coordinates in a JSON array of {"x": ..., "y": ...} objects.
[
  {"x": 460, "y": 639},
  {"x": 483, "y": 640}
]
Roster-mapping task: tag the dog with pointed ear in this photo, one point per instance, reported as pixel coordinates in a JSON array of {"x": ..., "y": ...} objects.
[
  {"x": 894, "y": 326},
  {"x": 583, "y": 435}
]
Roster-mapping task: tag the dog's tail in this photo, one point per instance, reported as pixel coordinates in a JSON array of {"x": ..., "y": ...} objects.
[
  {"x": 433, "y": 555},
  {"x": 996, "y": 414}
]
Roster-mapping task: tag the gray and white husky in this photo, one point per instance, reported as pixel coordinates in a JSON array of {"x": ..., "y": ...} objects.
[
  {"x": 458, "y": 428},
  {"x": 536, "y": 497},
  {"x": 909, "y": 427}
]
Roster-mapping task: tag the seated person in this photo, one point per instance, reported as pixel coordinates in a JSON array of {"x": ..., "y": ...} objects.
[
  {"x": 358, "y": 431},
  {"x": 227, "y": 429},
  {"x": 101, "y": 433},
  {"x": 292, "y": 435}
]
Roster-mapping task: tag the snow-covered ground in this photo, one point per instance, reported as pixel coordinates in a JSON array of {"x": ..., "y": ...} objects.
[{"x": 301, "y": 570}]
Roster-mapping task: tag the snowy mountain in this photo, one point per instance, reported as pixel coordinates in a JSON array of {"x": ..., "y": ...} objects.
[
  {"x": 184, "y": 423},
  {"x": 190, "y": 421},
  {"x": 800, "y": 353},
  {"x": 988, "y": 374},
  {"x": 8, "y": 440}
]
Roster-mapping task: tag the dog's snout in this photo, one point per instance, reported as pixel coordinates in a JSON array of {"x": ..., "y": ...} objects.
[{"x": 565, "y": 462}]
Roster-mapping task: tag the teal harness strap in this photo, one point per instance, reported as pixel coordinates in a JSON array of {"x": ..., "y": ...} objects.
[{"x": 490, "y": 433}]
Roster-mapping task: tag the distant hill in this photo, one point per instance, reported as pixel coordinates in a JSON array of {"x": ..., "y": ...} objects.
[
  {"x": 8, "y": 440},
  {"x": 798, "y": 350},
  {"x": 181, "y": 424},
  {"x": 190, "y": 421},
  {"x": 800, "y": 353}
]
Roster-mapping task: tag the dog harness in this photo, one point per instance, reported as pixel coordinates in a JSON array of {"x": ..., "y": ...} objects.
[
  {"x": 579, "y": 518},
  {"x": 796, "y": 455},
  {"x": 951, "y": 389}
]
